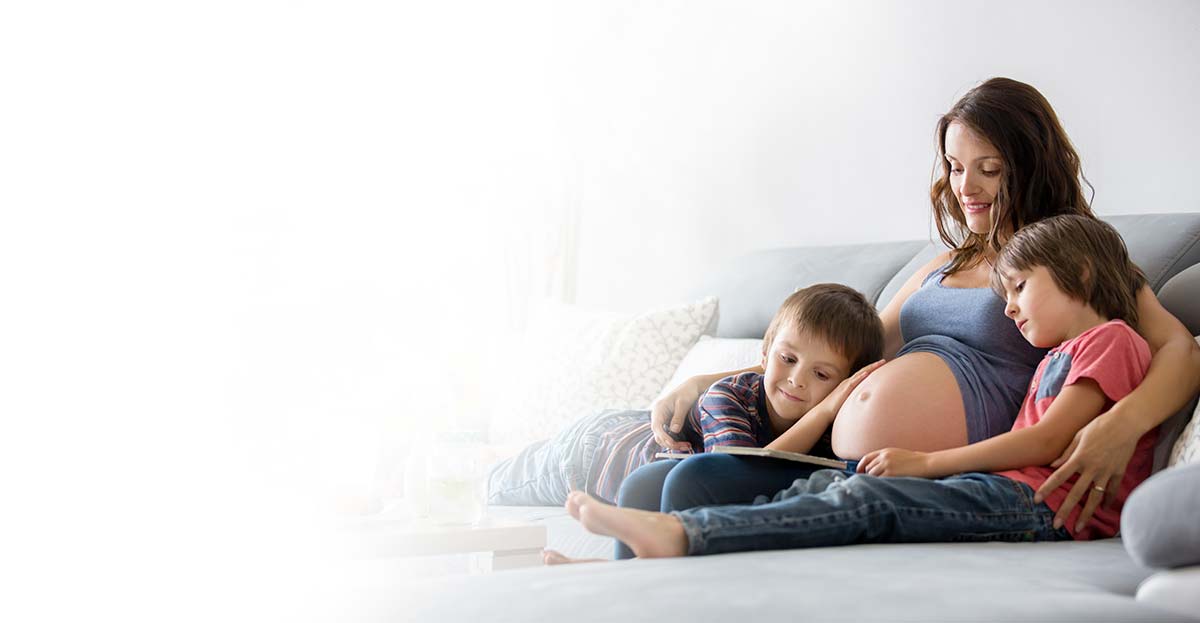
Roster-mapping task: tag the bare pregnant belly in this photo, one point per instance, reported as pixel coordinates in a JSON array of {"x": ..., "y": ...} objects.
[{"x": 911, "y": 402}]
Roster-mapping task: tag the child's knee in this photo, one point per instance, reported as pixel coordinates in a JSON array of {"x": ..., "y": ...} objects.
[
  {"x": 643, "y": 487},
  {"x": 699, "y": 467},
  {"x": 820, "y": 481},
  {"x": 687, "y": 485}
]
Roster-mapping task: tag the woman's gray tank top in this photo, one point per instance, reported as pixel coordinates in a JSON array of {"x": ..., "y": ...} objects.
[{"x": 990, "y": 358}]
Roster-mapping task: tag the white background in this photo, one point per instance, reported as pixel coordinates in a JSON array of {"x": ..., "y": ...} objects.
[{"x": 240, "y": 241}]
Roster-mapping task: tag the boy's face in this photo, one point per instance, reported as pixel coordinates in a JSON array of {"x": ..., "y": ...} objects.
[
  {"x": 799, "y": 371},
  {"x": 1045, "y": 315}
]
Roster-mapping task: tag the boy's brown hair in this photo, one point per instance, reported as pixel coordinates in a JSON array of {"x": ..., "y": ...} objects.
[
  {"x": 1085, "y": 256},
  {"x": 837, "y": 314}
]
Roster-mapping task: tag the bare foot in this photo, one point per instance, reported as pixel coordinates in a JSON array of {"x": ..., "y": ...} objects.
[
  {"x": 551, "y": 557},
  {"x": 573, "y": 499},
  {"x": 649, "y": 535}
]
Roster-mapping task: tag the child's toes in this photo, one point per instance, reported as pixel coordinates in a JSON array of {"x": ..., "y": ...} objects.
[{"x": 574, "y": 501}]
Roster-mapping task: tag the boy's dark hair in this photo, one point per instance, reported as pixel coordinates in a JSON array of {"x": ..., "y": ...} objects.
[
  {"x": 837, "y": 314},
  {"x": 1085, "y": 256}
]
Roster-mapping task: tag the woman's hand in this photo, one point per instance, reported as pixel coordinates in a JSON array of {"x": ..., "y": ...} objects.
[
  {"x": 671, "y": 411},
  {"x": 1099, "y": 453},
  {"x": 896, "y": 462}
]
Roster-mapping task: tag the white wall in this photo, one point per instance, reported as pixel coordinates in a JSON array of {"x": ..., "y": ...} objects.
[
  {"x": 701, "y": 130},
  {"x": 240, "y": 238}
]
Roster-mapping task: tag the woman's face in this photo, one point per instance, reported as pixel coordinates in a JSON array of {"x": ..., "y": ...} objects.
[{"x": 975, "y": 173}]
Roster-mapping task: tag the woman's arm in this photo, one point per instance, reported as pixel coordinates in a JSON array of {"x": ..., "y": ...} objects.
[
  {"x": 671, "y": 410},
  {"x": 1101, "y": 451},
  {"x": 890, "y": 316}
]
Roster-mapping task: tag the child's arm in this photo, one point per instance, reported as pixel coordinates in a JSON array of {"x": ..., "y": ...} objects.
[
  {"x": 725, "y": 425},
  {"x": 807, "y": 431},
  {"x": 668, "y": 414},
  {"x": 1077, "y": 404},
  {"x": 725, "y": 413}
]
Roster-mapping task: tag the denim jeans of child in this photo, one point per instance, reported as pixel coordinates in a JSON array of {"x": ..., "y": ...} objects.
[
  {"x": 705, "y": 480},
  {"x": 545, "y": 471},
  {"x": 832, "y": 507}
]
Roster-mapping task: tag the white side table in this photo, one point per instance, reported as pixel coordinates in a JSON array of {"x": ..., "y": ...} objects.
[{"x": 511, "y": 544}]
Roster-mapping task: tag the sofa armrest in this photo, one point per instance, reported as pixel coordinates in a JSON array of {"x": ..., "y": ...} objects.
[
  {"x": 1158, "y": 524},
  {"x": 1176, "y": 590}
]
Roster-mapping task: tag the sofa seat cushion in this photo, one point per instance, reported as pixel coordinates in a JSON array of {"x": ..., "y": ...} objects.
[
  {"x": 1079, "y": 581},
  {"x": 1177, "y": 590}
]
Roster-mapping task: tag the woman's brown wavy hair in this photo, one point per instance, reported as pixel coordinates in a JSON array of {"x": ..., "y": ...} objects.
[{"x": 1042, "y": 174}]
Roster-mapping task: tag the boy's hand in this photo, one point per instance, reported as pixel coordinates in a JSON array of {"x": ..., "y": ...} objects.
[
  {"x": 836, "y": 398},
  {"x": 671, "y": 413},
  {"x": 896, "y": 462}
]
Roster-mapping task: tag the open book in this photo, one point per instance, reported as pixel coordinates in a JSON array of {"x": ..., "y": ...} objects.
[
  {"x": 833, "y": 463},
  {"x": 781, "y": 454},
  {"x": 768, "y": 452}
]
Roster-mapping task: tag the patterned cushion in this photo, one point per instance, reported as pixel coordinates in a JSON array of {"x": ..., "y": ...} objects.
[
  {"x": 715, "y": 354},
  {"x": 1187, "y": 447},
  {"x": 575, "y": 362}
]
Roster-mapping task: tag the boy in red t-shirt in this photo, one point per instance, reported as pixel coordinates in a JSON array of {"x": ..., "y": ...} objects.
[{"x": 1068, "y": 283}]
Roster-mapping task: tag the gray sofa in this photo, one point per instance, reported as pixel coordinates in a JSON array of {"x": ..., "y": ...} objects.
[{"x": 1074, "y": 581}]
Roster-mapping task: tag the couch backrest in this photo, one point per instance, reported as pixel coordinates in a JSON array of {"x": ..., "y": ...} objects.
[
  {"x": 752, "y": 287},
  {"x": 1165, "y": 246}
]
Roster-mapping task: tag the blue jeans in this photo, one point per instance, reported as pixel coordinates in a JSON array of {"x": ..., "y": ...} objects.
[
  {"x": 546, "y": 471},
  {"x": 705, "y": 480},
  {"x": 834, "y": 508}
]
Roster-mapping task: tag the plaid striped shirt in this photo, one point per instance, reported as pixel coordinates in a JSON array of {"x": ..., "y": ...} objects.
[{"x": 733, "y": 412}]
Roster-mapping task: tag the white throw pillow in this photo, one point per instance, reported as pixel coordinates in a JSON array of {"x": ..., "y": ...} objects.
[
  {"x": 575, "y": 362},
  {"x": 715, "y": 354},
  {"x": 1187, "y": 447}
]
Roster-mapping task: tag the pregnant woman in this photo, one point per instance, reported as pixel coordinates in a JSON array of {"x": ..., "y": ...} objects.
[{"x": 958, "y": 367}]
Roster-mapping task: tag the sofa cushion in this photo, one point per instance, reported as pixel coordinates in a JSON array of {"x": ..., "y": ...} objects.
[
  {"x": 1177, "y": 591},
  {"x": 1187, "y": 446},
  {"x": 751, "y": 287},
  {"x": 923, "y": 257},
  {"x": 1181, "y": 296},
  {"x": 577, "y": 362},
  {"x": 1158, "y": 523},
  {"x": 1065, "y": 581},
  {"x": 1162, "y": 245},
  {"x": 716, "y": 354},
  {"x": 1179, "y": 437}
]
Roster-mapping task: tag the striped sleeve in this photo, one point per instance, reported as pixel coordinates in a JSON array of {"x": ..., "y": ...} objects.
[
  {"x": 728, "y": 412},
  {"x": 625, "y": 448}
]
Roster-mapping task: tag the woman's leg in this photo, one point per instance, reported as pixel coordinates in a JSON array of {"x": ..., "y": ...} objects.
[
  {"x": 643, "y": 490},
  {"x": 718, "y": 479}
]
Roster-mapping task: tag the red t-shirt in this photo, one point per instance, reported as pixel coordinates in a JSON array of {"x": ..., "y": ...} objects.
[{"x": 1116, "y": 358}]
